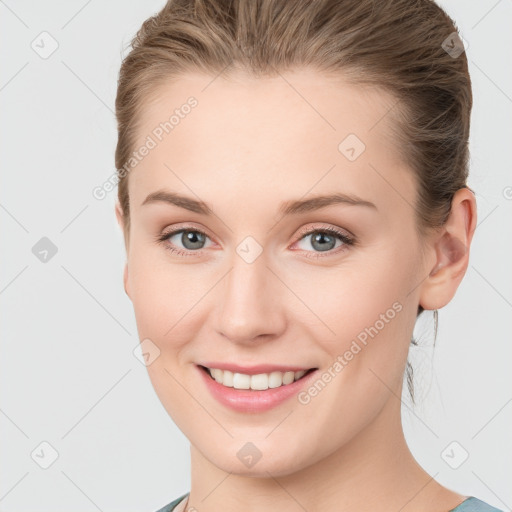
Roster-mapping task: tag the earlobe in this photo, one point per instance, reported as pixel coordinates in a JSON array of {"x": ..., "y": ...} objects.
[{"x": 451, "y": 250}]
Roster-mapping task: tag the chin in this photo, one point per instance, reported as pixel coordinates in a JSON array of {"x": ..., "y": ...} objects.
[{"x": 231, "y": 460}]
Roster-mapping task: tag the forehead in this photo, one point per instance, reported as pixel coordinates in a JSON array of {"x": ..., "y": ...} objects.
[{"x": 294, "y": 132}]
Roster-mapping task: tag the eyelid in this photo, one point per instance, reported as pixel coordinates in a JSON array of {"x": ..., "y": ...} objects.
[
  {"x": 317, "y": 226},
  {"x": 176, "y": 228},
  {"x": 348, "y": 240},
  {"x": 303, "y": 231},
  {"x": 183, "y": 226},
  {"x": 164, "y": 236},
  {"x": 344, "y": 235}
]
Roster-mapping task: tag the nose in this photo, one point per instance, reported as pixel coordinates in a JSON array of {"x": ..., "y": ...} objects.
[{"x": 251, "y": 302}]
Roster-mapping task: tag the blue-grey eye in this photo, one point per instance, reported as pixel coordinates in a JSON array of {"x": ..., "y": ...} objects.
[
  {"x": 321, "y": 241},
  {"x": 190, "y": 239}
]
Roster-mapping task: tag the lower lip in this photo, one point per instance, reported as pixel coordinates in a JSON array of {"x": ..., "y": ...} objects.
[{"x": 245, "y": 400}]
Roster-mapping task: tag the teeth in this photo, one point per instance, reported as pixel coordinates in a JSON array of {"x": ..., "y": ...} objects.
[{"x": 260, "y": 382}]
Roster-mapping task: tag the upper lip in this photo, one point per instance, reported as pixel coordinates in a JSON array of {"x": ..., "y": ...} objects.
[{"x": 254, "y": 369}]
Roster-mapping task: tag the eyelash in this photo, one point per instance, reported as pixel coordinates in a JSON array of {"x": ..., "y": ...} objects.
[{"x": 347, "y": 241}]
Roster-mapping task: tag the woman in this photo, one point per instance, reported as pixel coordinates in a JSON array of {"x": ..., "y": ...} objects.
[{"x": 292, "y": 193}]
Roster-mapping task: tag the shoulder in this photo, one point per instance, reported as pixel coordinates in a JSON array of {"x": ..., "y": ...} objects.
[
  {"x": 172, "y": 505},
  {"x": 473, "y": 504}
]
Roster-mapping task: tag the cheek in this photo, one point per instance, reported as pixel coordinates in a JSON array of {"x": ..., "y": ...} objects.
[
  {"x": 363, "y": 313},
  {"x": 163, "y": 298},
  {"x": 161, "y": 292},
  {"x": 346, "y": 300},
  {"x": 171, "y": 306}
]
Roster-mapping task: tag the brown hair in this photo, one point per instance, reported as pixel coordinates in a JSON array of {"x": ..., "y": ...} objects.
[{"x": 403, "y": 47}]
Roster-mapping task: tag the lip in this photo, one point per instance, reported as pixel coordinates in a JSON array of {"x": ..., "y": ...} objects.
[
  {"x": 253, "y": 401},
  {"x": 255, "y": 369}
]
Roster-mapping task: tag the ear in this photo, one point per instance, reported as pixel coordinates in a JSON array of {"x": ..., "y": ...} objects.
[
  {"x": 450, "y": 252},
  {"x": 120, "y": 221}
]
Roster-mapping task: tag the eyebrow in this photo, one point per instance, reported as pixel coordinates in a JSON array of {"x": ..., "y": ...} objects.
[
  {"x": 287, "y": 208},
  {"x": 164, "y": 196}
]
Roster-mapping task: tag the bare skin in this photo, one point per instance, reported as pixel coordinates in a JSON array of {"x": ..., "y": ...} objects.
[{"x": 249, "y": 145}]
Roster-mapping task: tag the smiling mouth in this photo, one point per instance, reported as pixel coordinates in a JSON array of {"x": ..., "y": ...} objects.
[{"x": 260, "y": 382}]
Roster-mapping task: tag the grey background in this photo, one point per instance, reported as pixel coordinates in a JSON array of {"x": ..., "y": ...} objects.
[{"x": 68, "y": 373}]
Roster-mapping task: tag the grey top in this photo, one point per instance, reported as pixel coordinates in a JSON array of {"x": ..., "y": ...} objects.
[{"x": 470, "y": 504}]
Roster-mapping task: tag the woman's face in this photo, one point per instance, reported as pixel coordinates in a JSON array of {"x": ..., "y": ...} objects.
[{"x": 259, "y": 288}]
